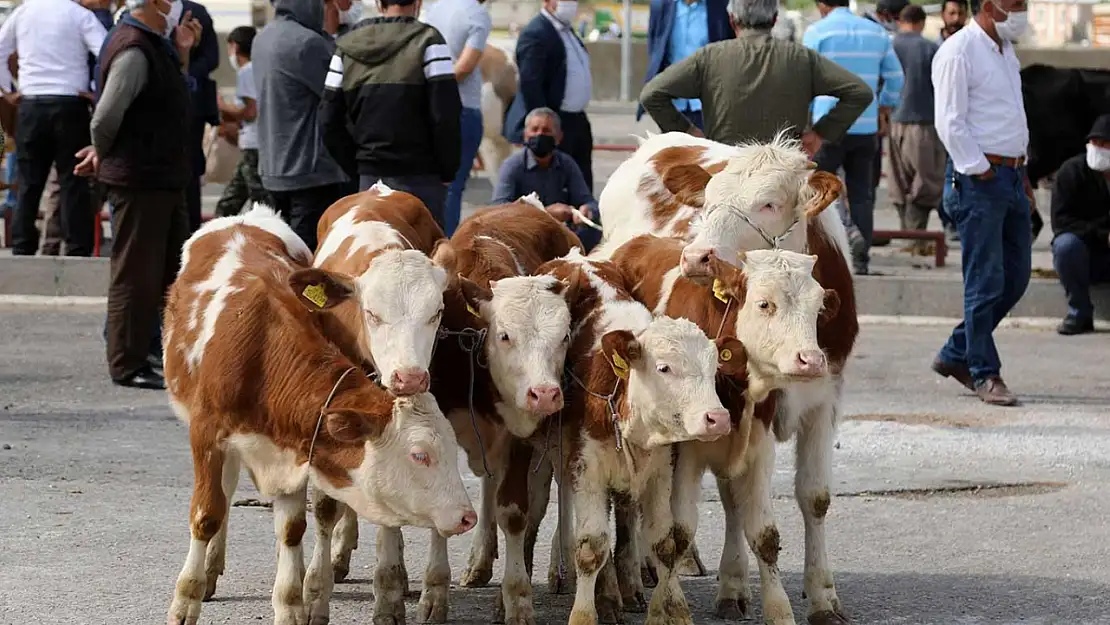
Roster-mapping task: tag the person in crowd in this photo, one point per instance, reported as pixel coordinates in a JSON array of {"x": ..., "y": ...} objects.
[
  {"x": 555, "y": 73},
  {"x": 980, "y": 117},
  {"x": 551, "y": 174},
  {"x": 954, "y": 15},
  {"x": 52, "y": 39},
  {"x": 753, "y": 86},
  {"x": 863, "y": 47},
  {"x": 916, "y": 153},
  {"x": 886, "y": 15},
  {"x": 395, "y": 72},
  {"x": 1081, "y": 227},
  {"x": 203, "y": 60},
  {"x": 340, "y": 16},
  {"x": 677, "y": 29},
  {"x": 290, "y": 59},
  {"x": 140, "y": 151},
  {"x": 465, "y": 24},
  {"x": 244, "y": 184}
]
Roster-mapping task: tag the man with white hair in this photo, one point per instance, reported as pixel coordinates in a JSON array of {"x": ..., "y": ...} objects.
[{"x": 753, "y": 86}]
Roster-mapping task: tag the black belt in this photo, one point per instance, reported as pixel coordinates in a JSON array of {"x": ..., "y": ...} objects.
[{"x": 52, "y": 98}]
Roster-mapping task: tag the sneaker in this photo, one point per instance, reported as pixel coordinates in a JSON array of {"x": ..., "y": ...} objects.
[{"x": 1072, "y": 325}]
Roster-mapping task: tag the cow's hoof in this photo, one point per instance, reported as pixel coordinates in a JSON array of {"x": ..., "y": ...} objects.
[
  {"x": 319, "y": 620},
  {"x": 690, "y": 565},
  {"x": 827, "y": 617},
  {"x": 734, "y": 609},
  {"x": 341, "y": 566},
  {"x": 210, "y": 587},
  {"x": 608, "y": 611},
  {"x": 476, "y": 577},
  {"x": 433, "y": 606},
  {"x": 635, "y": 603},
  {"x": 648, "y": 576},
  {"x": 521, "y": 620},
  {"x": 388, "y": 619},
  {"x": 185, "y": 620}
]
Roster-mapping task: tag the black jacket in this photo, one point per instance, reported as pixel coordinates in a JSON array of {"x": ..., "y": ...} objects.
[
  {"x": 1081, "y": 202},
  {"x": 542, "y": 62},
  {"x": 391, "y": 103}
]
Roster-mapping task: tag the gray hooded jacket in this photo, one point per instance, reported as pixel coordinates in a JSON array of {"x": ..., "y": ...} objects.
[{"x": 290, "y": 60}]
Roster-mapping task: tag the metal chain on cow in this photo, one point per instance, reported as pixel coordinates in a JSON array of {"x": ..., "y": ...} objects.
[
  {"x": 775, "y": 241},
  {"x": 471, "y": 342},
  {"x": 614, "y": 414},
  {"x": 324, "y": 409}
]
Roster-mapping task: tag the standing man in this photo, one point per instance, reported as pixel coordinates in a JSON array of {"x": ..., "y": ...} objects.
[
  {"x": 140, "y": 150},
  {"x": 954, "y": 16},
  {"x": 555, "y": 73},
  {"x": 465, "y": 24},
  {"x": 677, "y": 29},
  {"x": 53, "y": 40},
  {"x": 916, "y": 153},
  {"x": 290, "y": 60},
  {"x": 980, "y": 118},
  {"x": 392, "y": 83},
  {"x": 244, "y": 184},
  {"x": 1081, "y": 227},
  {"x": 753, "y": 86},
  {"x": 203, "y": 60},
  {"x": 863, "y": 47}
]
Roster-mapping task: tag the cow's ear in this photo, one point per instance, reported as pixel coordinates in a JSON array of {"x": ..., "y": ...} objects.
[
  {"x": 354, "y": 426},
  {"x": 729, "y": 281},
  {"x": 474, "y": 295},
  {"x": 318, "y": 289},
  {"x": 571, "y": 286},
  {"x": 819, "y": 191},
  {"x": 622, "y": 350},
  {"x": 732, "y": 358},
  {"x": 445, "y": 257},
  {"x": 831, "y": 307},
  {"x": 687, "y": 183}
]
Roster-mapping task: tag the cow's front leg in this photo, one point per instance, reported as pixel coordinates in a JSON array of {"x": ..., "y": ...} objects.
[
  {"x": 591, "y": 540},
  {"x": 667, "y": 544},
  {"x": 289, "y": 527},
  {"x": 345, "y": 540},
  {"x": 389, "y": 578},
  {"x": 483, "y": 548},
  {"x": 320, "y": 578},
  {"x": 734, "y": 597},
  {"x": 539, "y": 496},
  {"x": 626, "y": 556},
  {"x": 560, "y": 570},
  {"x": 811, "y": 489},
  {"x": 437, "y": 582},
  {"x": 512, "y": 518},
  {"x": 686, "y": 493}
]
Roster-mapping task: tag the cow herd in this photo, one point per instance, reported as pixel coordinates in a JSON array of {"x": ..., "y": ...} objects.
[{"x": 714, "y": 320}]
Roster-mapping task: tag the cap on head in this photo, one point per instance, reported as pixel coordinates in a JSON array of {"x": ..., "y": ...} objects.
[
  {"x": 1101, "y": 129},
  {"x": 891, "y": 7}
]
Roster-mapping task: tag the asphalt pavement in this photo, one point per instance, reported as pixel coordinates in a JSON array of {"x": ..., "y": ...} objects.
[{"x": 947, "y": 511}]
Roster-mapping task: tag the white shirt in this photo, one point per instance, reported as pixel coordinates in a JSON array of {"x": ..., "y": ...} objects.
[
  {"x": 244, "y": 88},
  {"x": 53, "y": 39},
  {"x": 576, "y": 95},
  {"x": 977, "y": 97}
]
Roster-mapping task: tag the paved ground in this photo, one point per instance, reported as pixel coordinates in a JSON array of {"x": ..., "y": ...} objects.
[{"x": 96, "y": 485}]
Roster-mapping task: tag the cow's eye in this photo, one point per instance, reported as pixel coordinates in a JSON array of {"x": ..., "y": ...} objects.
[
  {"x": 763, "y": 304},
  {"x": 372, "y": 318},
  {"x": 503, "y": 337},
  {"x": 663, "y": 368},
  {"x": 421, "y": 458}
]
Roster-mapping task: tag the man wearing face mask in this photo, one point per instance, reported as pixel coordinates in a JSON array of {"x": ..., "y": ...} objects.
[
  {"x": 140, "y": 151},
  {"x": 1081, "y": 227},
  {"x": 550, "y": 174},
  {"x": 555, "y": 73},
  {"x": 980, "y": 117}
]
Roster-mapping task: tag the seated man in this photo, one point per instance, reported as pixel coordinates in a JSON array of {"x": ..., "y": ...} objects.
[
  {"x": 1081, "y": 227},
  {"x": 551, "y": 174}
]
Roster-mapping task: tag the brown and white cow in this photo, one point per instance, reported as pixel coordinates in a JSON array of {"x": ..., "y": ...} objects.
[
  {"x": 719, "y": 198},
  {"x": 381, "y": 239},
  {"x": 639, "y": 384},
  {"x": 499, "y": 87},
  {"x": 773, "y": 304},
  {"x": 509, "y": 330},
  {"x": 251, "y": 373}
]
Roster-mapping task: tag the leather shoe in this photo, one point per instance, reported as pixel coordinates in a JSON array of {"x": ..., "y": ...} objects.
[
  {"x": 1074, "y": 325},
  {"x": 143, "y": 378},
  {"x": 959, "y": 373},
  {"x": 993, "y": 391}
]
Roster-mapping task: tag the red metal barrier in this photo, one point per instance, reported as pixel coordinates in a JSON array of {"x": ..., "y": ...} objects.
[{"x": 920, "y": 235}]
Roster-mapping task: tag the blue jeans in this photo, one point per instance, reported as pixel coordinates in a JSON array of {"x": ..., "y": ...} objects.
[
  {"x": 992, "y": 217},
  {"x": 12, "y": 174},
  {"x": 948, "y": 200},
  {"x": 470, "y": 124},
  {"x": 1079, "y": 265},
  {"x": 856, "y": 154}
]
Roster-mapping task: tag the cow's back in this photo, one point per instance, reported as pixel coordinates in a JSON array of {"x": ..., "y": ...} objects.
[
  {"x": 403, "y": 212},
  {"x": 534, "y": 236}
]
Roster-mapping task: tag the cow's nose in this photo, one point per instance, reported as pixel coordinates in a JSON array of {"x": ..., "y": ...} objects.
[
  {"x": 717, "y": 423},
  {"x": 409, "y": 381},
  {"x": 695, "y": 262},
  {"x": 545, "y": 399},
  {"x": 811, "y": 362},
  {"x": 469, "y": 520}
]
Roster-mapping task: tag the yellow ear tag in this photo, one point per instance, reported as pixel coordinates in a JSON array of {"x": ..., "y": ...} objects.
[
  {"x": 315, "y": 293},
  {"x": 719, "y": 291},
  {"x": 620, "y": 366},
  {"x": 726, "y": 355},
  {"x": 472, "y": 310}
]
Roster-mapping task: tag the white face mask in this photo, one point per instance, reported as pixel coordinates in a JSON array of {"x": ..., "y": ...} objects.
[
  {"x": 1098, "y": 158},
  {"x": 1014, "y": 26},
  {"x": 566, "y": 10},
  {"x": 233, "y": 61},
  {"x": 172, "y": 18}
]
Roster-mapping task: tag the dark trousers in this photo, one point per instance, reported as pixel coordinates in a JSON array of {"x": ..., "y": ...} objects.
[
  {"x": 992, "y": 217},
  {"x": 427, "y": 187},
  {"x": 470, "y": 122},
  {"x": 856, "y": 154},
  {"x": 696, "y": 118},
  {"x": 196, "y": 155},
  {"x": 50, "y": 131},
  {"x": 149, "y": 227},
  {"x": 1080, "y": 265},
  {"x": 302, "y": 208},
  {"x": 578, "y": 142}
]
